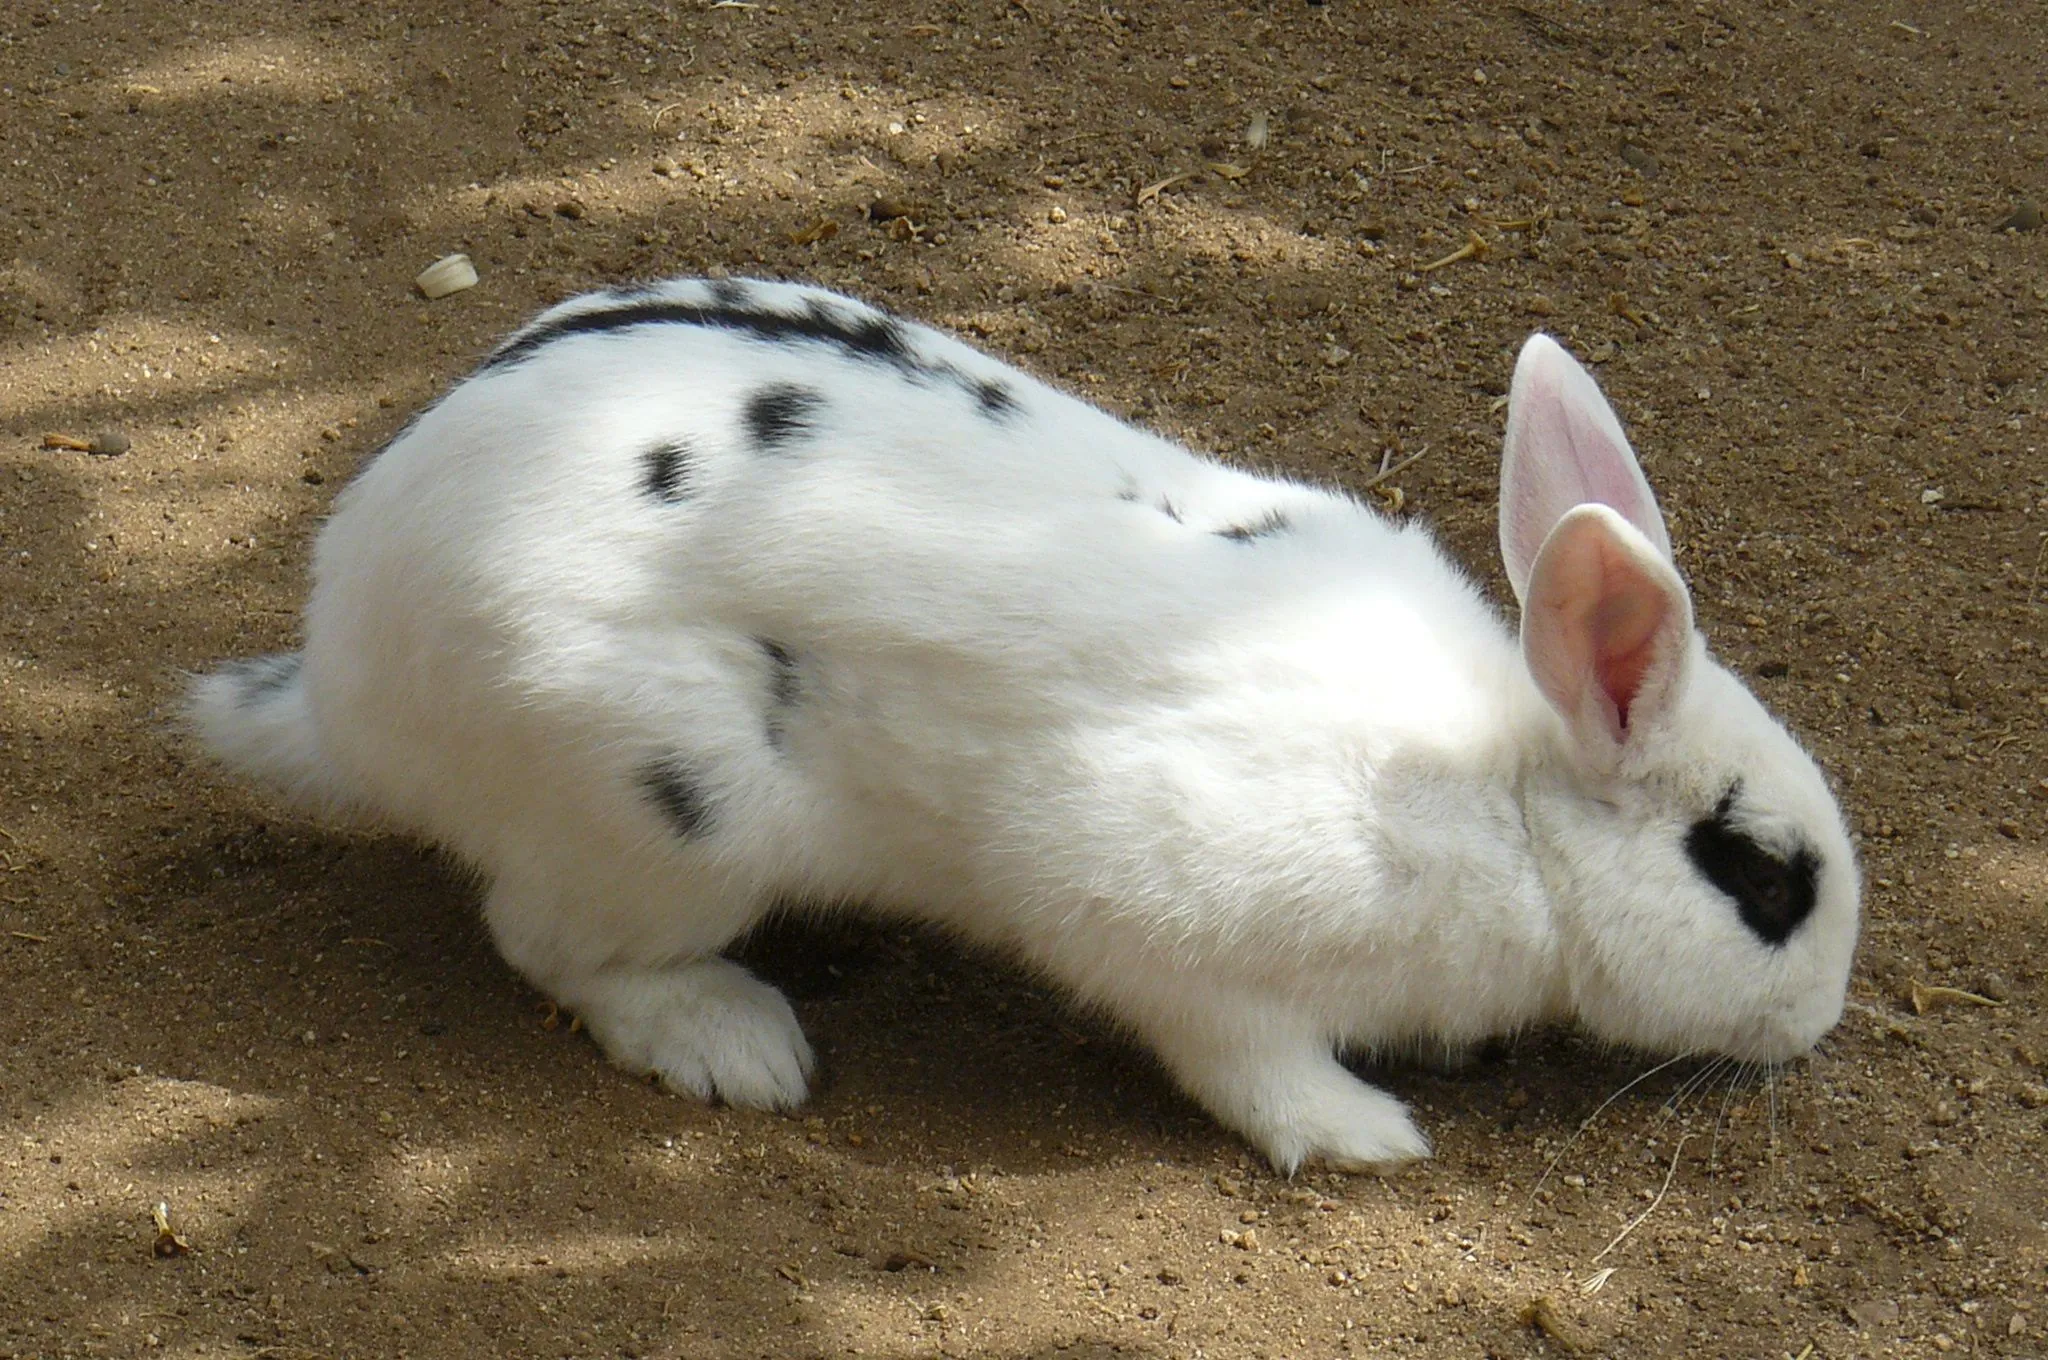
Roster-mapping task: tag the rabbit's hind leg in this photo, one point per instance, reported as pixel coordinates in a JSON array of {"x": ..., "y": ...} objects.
[{"x": 647, "y": 981}]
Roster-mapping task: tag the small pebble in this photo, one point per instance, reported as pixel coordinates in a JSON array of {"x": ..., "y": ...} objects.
[
  {"x": 1641, "y": 161},
  {"x": 449, "y": 274},
  {"x": 2025, "y": 217},
  {"x": 1056, "y": 215}
]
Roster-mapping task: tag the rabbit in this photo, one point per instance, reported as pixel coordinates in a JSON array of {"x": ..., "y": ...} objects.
[{"x": 710, "y": 595}]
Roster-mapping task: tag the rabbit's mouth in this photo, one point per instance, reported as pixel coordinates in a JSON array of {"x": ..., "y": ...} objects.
[{"x": 1774, "y": 1040}]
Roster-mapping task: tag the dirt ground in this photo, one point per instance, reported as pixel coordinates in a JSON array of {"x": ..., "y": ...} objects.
[{"x": 1775, "y": 227}]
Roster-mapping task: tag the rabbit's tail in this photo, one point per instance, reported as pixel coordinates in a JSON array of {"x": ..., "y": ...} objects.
[{"x": 253, "y": 717}]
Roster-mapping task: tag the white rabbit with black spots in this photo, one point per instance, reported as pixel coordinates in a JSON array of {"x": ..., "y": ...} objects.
[{"x": 705, "y": 597}]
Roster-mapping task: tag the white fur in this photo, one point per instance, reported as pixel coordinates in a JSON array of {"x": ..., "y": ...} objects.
[{"x": 1261, "y": 801}]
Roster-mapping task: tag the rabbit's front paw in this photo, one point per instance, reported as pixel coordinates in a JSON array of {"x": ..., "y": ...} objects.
[
  {"x": 708, "y": 1027},
  {"x": 1351, "y": 1126},
  {"x": 1275, "y": 1080}
]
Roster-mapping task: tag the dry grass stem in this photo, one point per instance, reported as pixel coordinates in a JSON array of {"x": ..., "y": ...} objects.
[
  {"x": 1473, "y": 249},
  {"x": 1644, "y": 1216}
]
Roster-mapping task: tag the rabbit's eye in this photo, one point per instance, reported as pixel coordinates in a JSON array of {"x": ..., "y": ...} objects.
[{"x": 1773, "y": 893}]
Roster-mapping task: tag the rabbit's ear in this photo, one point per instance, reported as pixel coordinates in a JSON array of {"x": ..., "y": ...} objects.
[
  {"x": 1564, "y": 449},
  {"x": 1606, "y": 632}
]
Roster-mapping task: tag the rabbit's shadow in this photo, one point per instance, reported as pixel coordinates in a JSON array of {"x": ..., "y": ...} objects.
[
  {"x": 961, "y": 1052},
  {"x": 948, "y": 1048}
]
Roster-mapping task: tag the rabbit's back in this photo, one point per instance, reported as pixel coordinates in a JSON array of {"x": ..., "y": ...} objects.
[{"x": 859, "y": 589}]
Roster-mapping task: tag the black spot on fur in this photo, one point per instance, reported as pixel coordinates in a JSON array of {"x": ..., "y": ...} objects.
[
  {"x": 779, "y": 413},
  {"x": 995, "y": 399},
  {"x": 668, "y": 471},
  {"x": 1773, "y": 893},
  {"x": 1169, "y": 509},
  {"x": 1127, "y": 493},
  {"x": 858, "y": 331},
  {"x": 633, "y": 292},
  {"x": 673, "y": 786},
  {"x": 866, "y": 335},
  {"x": 785, "y": 686},
  {"x": 1272, "y": 522},
  {"x": 263, "y": 676},
  {"x": 783, "y": 683}
]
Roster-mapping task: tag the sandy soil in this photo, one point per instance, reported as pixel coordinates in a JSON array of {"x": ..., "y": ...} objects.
[{"x": 1774, "y": 226}]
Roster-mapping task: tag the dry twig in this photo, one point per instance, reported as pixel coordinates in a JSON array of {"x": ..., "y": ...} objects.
[
  {"x": 1926, "y": 997},
  {"x": 1545, "y": 1314},
  {"x": 1152, "y": 191},
  {"x": 1386, "y": 472},
  {"x": 1473, "y": 249},
  {"x": 168, "y": 1241}
]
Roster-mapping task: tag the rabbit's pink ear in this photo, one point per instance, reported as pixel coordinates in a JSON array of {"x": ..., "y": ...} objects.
[
  {"x": 1606, "y": 632},
  {"x": 1564, "y": 449}
]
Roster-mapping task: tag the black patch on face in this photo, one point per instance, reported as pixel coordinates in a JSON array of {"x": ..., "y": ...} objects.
[
  {"x": 668, "y": 471},
  {"x": 264, "y": 676},
  {"x": 1272, "y": 522},
  {"x": 995, "y": 399},
  {"x": 672, "y": 785},
  {"x": 785, "y": 685},
  {"x": 779, "y": 413},
  {"x": 1773, "y": 893}
]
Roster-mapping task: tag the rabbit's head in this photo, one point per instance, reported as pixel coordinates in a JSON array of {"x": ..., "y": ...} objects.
[{"x": 1706, "y": 891}]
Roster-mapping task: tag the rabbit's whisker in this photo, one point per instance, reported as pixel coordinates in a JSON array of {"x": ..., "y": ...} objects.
[{"x": 1587, "y": 1123}]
